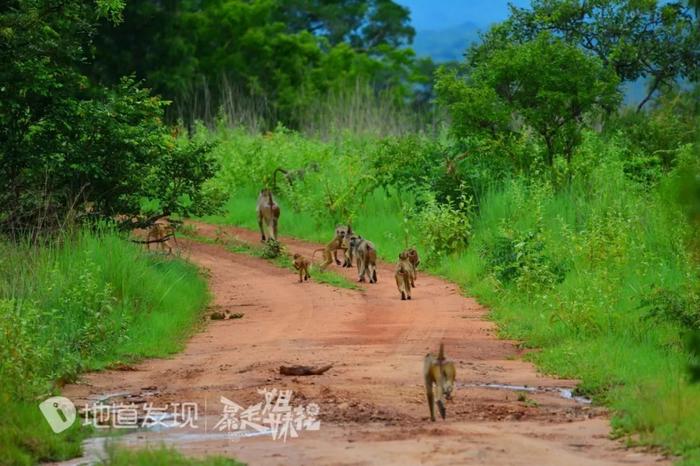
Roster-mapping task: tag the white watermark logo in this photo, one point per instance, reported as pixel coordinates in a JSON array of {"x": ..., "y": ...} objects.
[
  {"x": 59, "y": 412},
  {"x": 274, "y": 416}
]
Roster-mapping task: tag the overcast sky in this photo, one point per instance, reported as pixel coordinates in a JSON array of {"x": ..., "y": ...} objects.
[{"x": 441, "y": 14}]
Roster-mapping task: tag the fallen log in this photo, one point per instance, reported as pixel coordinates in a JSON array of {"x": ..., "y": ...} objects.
[{"x": 304, "y": 370}]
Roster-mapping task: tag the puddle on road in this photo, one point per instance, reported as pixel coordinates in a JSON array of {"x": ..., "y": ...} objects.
[{"x": 566, "y": 393}]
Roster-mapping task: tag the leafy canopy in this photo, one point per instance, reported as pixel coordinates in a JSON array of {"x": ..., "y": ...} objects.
[
  {"x": 65, "y": 140},
  {"x": 544, "y": 85},
  {"x": 637, "y": 38}
]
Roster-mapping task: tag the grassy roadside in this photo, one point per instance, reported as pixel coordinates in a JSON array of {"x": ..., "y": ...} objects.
[
  {"x": 84, "y": 303},
  {"x": 162, "y": 456},
  {"x": 597, "y": 276}
]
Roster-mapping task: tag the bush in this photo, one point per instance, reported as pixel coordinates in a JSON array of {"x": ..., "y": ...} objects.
[
  {"x": 443, "y": 228},
  {"x": 81, "y": 303}
]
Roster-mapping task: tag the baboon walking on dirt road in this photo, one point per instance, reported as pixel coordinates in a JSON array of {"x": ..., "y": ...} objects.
[
  {"x": 268, "y": 212},
  {"x": 439, "y": 372}
]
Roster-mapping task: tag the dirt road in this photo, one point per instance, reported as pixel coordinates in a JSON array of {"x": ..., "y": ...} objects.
[{"x": 372, "y": 402}]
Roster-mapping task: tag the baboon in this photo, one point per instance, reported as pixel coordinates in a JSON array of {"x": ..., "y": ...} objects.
[
  {"x": 159, "y": 232},
  {"x": 330, "y": 252},
  {"x": 269, "y": 211},
  {"x": 294, "y": 175},
  {"x": 441, "y": 373},
  {"x": 403, "y": 276},
  {"x": 414, "y": 260},
  {"x": 366, "y": 254},
  {"x": 302, "y": 265}
]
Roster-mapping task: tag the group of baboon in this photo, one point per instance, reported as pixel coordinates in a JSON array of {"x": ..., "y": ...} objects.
[
  {"x": 438, "y": 372},
  {"x": 355, "y": 248}
]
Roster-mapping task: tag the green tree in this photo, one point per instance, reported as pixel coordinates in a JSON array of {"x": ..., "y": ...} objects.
[
  {"x": 64, "y": 140},
  {"x": 657, "y": 41},
  {"x": 270, "y": 51},
  {"x": 545, "y": 85},
  {"x": 364, "y": 24}
]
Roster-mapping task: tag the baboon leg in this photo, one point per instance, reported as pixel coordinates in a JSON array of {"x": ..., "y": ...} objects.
[
  {"x": 327, "y": 259},
  {"x": 431, "y": 399},
  {"x": 335, "y": 257},
  {"x": 374, "y": 276},
  {"x": 274, "y": 228},
  {"x": 440, "y": 397},
  {"x": 362, "y": 267},
  {"x": 260, "y": 225}
]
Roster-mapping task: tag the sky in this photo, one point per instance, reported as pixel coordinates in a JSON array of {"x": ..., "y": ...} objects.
[{"x": 443, "y": 14}]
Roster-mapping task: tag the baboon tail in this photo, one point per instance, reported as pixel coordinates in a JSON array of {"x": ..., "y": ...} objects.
[
  {"x": 441, "y": 354},
  {"x": 274, "y": 176},
  {"x": 315, "y": 251}
]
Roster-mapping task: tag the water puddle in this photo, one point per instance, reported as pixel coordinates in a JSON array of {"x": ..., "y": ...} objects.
[{"x": 566, "y": 393}]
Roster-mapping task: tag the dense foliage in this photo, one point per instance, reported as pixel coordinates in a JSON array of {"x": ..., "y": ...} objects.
[
  {"x": 269, "y": 56},
  {"x": 657, "y": 41},
  {"x": 66, "y": 141}
]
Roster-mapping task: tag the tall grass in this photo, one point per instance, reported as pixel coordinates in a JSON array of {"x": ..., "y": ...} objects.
[
  {"x": 594, "y": 272},
  {"x": 359, "y": 109},
  {"x": 81, "y": 303}
]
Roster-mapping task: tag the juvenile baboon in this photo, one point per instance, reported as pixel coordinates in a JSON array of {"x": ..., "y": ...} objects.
[
  {"x": 403, "y": 276},
  {"x": 269, "y": 212},
  {"x": 414, "y": 260},
  {"x": 441, "y": 373},
  {"x": 343, "y": 232},
  {"x": 366, "y": 255},
  {"x": 330, "y": 251},
  {"x": 159, "y": 232},
  {"x": 302, "y": 265}
]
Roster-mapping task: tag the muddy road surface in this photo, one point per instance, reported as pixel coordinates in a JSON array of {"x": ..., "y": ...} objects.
[{"x": 372, "y": 406}]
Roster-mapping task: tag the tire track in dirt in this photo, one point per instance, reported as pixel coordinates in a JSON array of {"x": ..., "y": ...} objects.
[{"x": 372, "y": 402}]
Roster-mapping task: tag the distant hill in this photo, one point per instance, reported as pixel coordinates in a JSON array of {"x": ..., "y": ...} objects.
[{"x": 446, "y": 44}]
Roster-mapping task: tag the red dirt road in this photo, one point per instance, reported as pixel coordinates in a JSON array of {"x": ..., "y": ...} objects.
[{"x": 372, "y": 402}]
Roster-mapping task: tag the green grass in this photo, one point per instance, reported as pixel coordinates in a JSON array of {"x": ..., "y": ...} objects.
[
  {"x": 575, "y": 272},
  {"x": 161, "y": 456},
  {"x": 81, "y": 303}
]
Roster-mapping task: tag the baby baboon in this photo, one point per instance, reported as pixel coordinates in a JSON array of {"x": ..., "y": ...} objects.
[
  {"x": 330, "y": 252},
  {"x": 438, "y": 371},
  {"x": 366, "y": 255},
  {"x": 412, "y": 256},
  {"x": 159, "y": 232},
  {"x": 302, "y": 265},
  {"x": 403, "y": 276},
  {"x": 343, "y": 232},
  {"x": 269, "y": 211}
]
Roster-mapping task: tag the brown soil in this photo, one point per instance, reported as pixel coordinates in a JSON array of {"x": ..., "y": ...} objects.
[{"x": 372, "y": 401}]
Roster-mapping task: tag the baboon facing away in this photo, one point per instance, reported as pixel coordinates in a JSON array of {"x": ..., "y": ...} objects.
[
  {"x": 403, "y": 276},
  {"x": 302, "y": 265},
  {"x": 268, "y": 213},
  {"x": 441, "y": 373},
  {"x": 414, "y": 261},
  {"x": 366, "y": 255}
]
